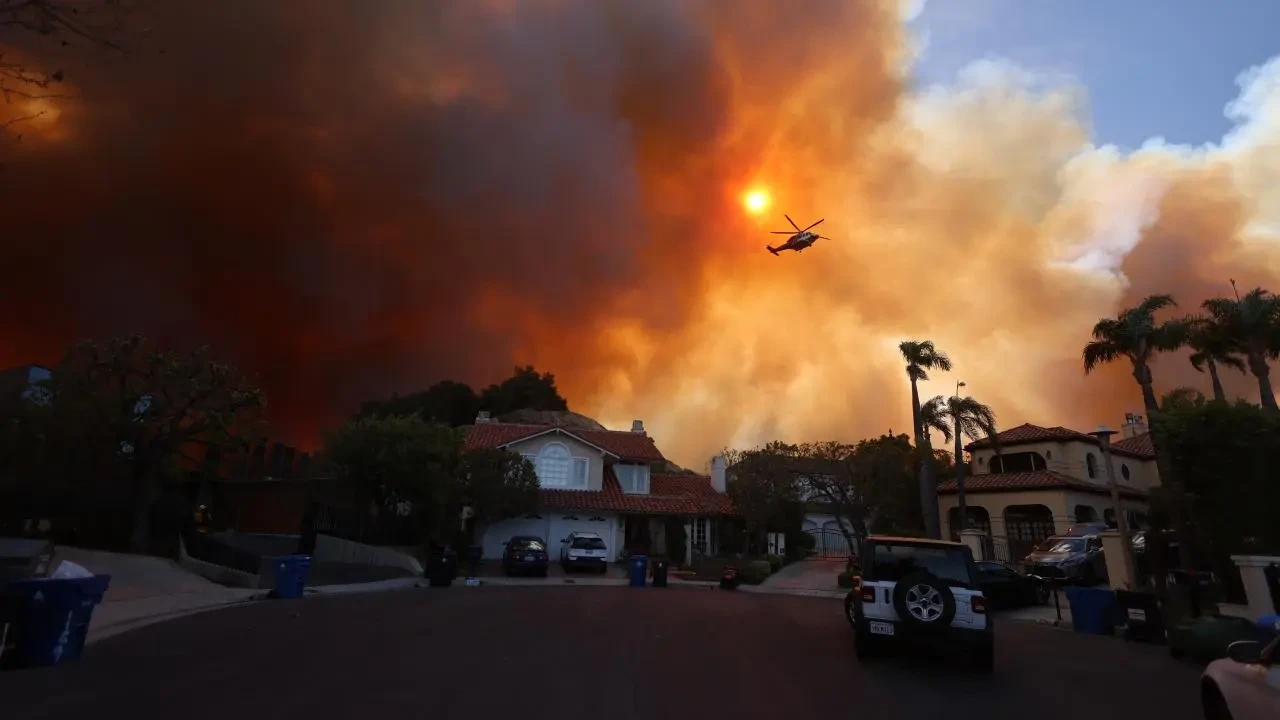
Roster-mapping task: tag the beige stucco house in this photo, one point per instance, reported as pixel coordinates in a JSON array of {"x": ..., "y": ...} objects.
[{"x": 1046, "y": 478}]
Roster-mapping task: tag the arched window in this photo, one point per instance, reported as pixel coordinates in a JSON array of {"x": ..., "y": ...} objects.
[
  {"x": 1124, "y": 471},
  {"x": 553, "y": 465},
  {"x": 1091, "y": 465}
]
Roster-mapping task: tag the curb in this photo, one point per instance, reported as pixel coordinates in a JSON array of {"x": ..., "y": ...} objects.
[{"x": 102, "y": 632}]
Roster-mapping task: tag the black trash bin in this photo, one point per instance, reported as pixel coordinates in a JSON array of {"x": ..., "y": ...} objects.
[
  {"x": 1144, "y": 620},
  {"x": 1196, "y": 585},
  {"x": 659, "y": 573},
  {"x": 442, "y": 568}
]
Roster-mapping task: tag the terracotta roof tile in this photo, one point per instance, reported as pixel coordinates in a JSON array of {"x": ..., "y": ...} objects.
[
  {"x": 668, "y": 495},
  {"x": 1028, "y": 433},
  {"x": 621, "y": 443},
  {"x": 1138, "y": 445},
  {"x": 1038, "y": 480}
]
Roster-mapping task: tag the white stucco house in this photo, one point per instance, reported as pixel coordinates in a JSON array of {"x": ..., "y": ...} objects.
[{"x": 610, "y": 482}]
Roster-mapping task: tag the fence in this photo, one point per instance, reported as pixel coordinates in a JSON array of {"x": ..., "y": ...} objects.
[{"x": 828, "y": 543}]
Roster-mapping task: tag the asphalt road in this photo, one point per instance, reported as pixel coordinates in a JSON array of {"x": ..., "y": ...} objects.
[{"x": 580, "y": 652}]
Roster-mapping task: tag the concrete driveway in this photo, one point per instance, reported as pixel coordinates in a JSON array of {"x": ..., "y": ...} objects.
[
  {"x": 577, "y": 652},
  {"x": 807, "y": 575}
]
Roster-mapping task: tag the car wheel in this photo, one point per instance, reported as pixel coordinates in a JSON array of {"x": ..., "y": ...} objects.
[
  {"x": 1215, "y": 706},
  {"x": 924, "y": 601}
]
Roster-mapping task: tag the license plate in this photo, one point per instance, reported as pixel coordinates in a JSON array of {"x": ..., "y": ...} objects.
[
  {"x": 528, "y": 558},
  {"x": 1137, "y": 614},
  {"x": 881, "y": 628}
]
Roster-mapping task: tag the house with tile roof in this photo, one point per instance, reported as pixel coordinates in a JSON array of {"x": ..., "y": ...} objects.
[
  {"x": 1043, "y": 479},
  {"x": 611, "y": 482}
]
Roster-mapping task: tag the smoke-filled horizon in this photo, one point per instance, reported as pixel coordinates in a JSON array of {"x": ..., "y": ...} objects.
[{"x": 366, "y": 198}]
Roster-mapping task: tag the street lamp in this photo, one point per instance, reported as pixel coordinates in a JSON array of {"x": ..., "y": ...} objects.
[
  {"x": 1103, "y": 434},
  {"x": 963, "y": 508}
]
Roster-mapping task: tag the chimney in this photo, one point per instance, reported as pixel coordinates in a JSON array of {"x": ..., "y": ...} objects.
[
  {"x": 718, "y": 473},
  {"x": 483, "y": 417},
  {"x": 1133, "y": 425},
  {"x": 637, "y": 426}
]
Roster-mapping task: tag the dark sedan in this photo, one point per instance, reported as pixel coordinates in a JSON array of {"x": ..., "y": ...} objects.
[
  {"x": 525, "y": 554},
  {"x": 1007, "y": 588}
]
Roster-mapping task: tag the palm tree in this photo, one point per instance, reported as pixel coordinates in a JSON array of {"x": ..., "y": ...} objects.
[
  {"x": 1213, "y": 346},
  {"x": 1254, "y": 322},
  {"x": 961, "y": 417},
  {"x": 1135, "y": 335},
  {"x": 921, "y": 357}
]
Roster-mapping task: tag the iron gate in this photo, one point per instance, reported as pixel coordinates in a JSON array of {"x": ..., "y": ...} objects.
[{"x": 828, "y": 543}]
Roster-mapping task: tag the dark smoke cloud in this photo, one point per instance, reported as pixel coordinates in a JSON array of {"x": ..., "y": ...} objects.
[{"x": 354, "y": 198}]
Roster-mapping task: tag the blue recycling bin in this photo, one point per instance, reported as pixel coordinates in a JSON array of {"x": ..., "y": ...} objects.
[
  {"x": 1268, "y": 627},
  {"x": 1093, "y": 610},
  {"x": 291, "y": 575},
  {"x": 638, "y": 568},
  {"x": 53, "y": 618}
]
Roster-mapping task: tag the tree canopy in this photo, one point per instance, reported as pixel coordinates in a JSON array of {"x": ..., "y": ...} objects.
[
  {"x": 456, "y": 403},
  {"x": 408, "y": 471},
  {"x": 124, "y": 417}
]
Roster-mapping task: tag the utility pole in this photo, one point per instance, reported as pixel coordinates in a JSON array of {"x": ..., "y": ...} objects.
[
  {"x": 964, "y": 509},
  {"x": 1104, "y": 433}
]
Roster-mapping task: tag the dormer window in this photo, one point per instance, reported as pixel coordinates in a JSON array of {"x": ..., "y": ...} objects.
[{"x": 634, "y": 479}]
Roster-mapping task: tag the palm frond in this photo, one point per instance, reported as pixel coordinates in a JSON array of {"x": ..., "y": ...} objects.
[
  {"x": 1171, "y": 334},
  {"x": 1109, "y": 329},
  {"x": 1230, "y": 361},
  {"x": 1152, "y": 303},
  {"x": 1198, "y": 360},
  {"x": 1100, "y": 352}
]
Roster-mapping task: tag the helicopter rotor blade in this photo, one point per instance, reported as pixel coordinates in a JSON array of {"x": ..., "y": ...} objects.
[
  {"x": 781, "y": 232},
  {"x": 793, "y": 222},
  {"x": 813, "y": 225}
]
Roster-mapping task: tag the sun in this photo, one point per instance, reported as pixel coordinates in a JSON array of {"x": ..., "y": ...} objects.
[{"x": 755, "y": 201}]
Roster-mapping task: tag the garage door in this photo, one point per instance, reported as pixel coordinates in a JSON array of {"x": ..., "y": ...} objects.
[
  {"x": 497, "y": 535},
  {"x": 602, "y": 525}
]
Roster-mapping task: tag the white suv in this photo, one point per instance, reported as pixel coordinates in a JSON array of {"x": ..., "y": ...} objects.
[
  {"x": 914, "y": 590},
  {"x": 584, "y": 550}
]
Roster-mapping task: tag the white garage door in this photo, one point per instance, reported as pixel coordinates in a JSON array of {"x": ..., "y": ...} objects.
[
  {"x": 497, "y": 535},
  {"x": 565, "y": 523}
]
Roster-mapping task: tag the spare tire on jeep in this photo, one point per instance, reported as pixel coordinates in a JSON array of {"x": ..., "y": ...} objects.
[{"x": 924, "y": 601}]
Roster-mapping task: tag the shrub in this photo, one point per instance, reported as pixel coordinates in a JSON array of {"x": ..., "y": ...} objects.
[
  {"x": 754, "y": 572},
  {"x": 775, "y": 562}
]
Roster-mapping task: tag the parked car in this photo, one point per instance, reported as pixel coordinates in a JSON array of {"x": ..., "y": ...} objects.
[
  {"x": 1070, "y": 559},
  {"x": 525, "y": 554},
  {"x": 1245, "y": 685},
  {"x": 1007, "y": 588},
  {"x": 584, "y": 550},
  {"x": 915, "y": 591}
]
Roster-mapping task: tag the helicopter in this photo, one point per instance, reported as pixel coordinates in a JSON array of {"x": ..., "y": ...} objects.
[{"x": 799, "y": 240}]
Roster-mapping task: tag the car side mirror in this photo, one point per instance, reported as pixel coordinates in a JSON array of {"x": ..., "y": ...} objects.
[{"x": 1247, "y": 652}]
